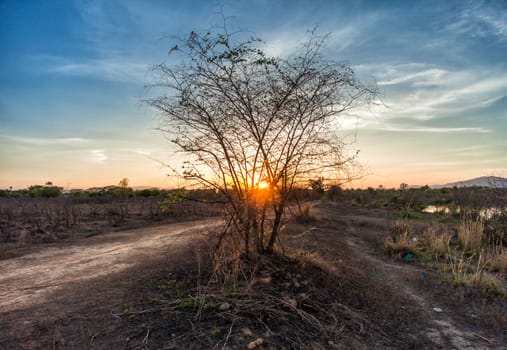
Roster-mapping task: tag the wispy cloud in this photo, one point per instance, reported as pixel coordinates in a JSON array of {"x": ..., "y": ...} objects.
[
  {"x": 284, "y": 43},
  {"x": 477, "y": 19},
  {"x": 423, "y": 77},
  {"x": 424, "y": 92},
  {"x": 436, "y": 130},
  {"x": 44, "y": 141},
  {"x": 98, "y": 156},
  {"x": 111, "y": 69}
]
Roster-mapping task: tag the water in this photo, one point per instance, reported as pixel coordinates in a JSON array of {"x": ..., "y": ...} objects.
[{"x": 485, "y": 213}]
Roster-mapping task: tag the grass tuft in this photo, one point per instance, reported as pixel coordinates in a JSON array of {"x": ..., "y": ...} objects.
[
  {"x": 437, "y": 243},
  {"x": 470, "y": 234},
  {"x": 400, "y": 242}
]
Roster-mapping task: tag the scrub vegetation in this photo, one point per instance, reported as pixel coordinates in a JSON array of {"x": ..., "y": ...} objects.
[{"x": 352, "y": 271}]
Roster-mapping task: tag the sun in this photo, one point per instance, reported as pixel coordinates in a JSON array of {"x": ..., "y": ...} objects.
[{"x": 261, "y": 185}]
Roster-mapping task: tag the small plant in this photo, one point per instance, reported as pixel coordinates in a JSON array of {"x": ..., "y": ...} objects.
[{"x": 470, "y": 234}]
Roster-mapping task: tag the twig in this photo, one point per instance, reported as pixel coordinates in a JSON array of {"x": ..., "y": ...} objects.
[
  {"x": 228, "y": 335},
  {"x": 142, "y": 312},
  {"x": 145, "y": 339},
  {"x": 483, "y": 338}
]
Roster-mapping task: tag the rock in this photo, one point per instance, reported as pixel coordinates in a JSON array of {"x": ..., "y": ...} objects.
[
  {"x": 255, "y": 343},
  {"x": 247, "y": 332},
  {"x": 292, "y": 303},
  {"x": 224, "y": 307},
  {"x": 297, "y": 284},
  {"x": 265, "y": 280}
]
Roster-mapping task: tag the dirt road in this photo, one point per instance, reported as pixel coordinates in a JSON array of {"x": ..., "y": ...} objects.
[
  {"x": 28, "y": 280},
  {"x": 445, "y": 328}
]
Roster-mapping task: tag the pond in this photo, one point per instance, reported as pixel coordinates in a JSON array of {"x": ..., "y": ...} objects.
[{"x": 485, "y": 213}]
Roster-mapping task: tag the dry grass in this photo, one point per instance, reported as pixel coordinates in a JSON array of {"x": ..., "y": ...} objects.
[
  {"x": 470, "y": 234},
  {"x": 437, "y": 243},
  {"x": 303, "y": 214},
  {"x": 400, "y": 242},
  {"x": 487, "y": 283},
  {"x": 458, "y": 266},
  {"x": 288, "y": 303},
  {"x": 498, "y": 263},
  {"x": 470, "y": 272}
]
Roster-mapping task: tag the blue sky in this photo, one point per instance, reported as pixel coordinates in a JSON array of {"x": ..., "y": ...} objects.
[{"x": 73, "y": 73}]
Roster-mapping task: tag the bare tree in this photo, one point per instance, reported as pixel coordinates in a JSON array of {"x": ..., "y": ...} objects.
[{"x": 255, "y": 125}]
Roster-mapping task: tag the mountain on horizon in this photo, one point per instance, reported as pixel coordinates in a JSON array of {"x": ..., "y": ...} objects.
[{"x": 483, "y": 181}]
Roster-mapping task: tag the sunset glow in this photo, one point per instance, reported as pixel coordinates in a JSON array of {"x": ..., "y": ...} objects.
[
  {"x": 262, "y": 185},
  {"x": 74, "y": 74}
]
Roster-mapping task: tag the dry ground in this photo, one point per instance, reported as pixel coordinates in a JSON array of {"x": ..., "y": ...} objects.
[{"x": 92, "y": 294}]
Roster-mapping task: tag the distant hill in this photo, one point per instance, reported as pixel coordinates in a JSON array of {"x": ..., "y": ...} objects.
[{"x": 483, "y": 181}]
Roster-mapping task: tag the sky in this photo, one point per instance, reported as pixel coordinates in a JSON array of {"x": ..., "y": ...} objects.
[{"x": 73, "y": 76}]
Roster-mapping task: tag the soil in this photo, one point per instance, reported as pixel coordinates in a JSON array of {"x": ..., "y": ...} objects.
[
  {"x": 53, "y": 293},
  {"x": 447, "y": 317},
  {"x": 93, "y": 293}
]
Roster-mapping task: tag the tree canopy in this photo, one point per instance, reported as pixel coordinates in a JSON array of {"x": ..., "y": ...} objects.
[{"x": 255, "y": 126}]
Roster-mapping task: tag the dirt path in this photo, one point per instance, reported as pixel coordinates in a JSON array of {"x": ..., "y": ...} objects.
[
  {"x": 442, "y": 328},
  {"x": 28, "y": 280}
]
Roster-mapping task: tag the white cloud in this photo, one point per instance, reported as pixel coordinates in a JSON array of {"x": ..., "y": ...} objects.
[
  {"x": 98, "y": 156},
  {"x": 478, "y": 19},
  {"x": 142, "y": 152},
  {"x": 105, "y": 69},
  {"x": 44, "y": 141},
  {"x": 436, "y": 130},
  {"x": 282, "y": 44},
  {"x": 422, "y": 91},
  {"x": 418, "y": 78}
]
